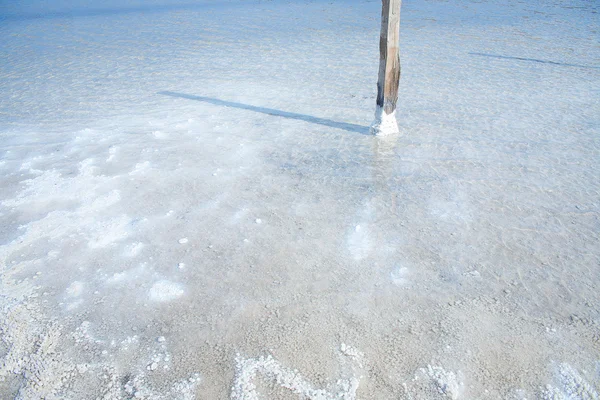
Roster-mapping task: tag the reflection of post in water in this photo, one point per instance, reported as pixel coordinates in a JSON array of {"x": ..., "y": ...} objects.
[{"x": 382, "y": 172}]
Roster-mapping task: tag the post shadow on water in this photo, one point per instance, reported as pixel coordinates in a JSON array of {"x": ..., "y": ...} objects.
[
  {"x": 363, "y": 130},
  {"x": 534, "y": 60}
]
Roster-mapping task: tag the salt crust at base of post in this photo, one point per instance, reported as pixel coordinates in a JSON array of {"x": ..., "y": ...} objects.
[{"x": 384, "y": 124}]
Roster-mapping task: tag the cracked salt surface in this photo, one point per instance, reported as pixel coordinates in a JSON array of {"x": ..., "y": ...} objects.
[{"x": 174, "y": 222}]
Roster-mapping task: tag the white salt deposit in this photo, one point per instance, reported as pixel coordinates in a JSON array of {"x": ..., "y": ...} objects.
[
  {"x": 445, "y": 381},
  {"x": 359, "y": 242},
  {"x": 111, "y": 154},
  {"x": 400, "y": 276},
  {"x": 571, "y": 386},
  {"x": 248, "y": 370},
  {"x": 384, "y": 124},
  {"x": 75, "y": 289},
  {"x": 134, "y": 249},
  {"x": 164, "y": 291}
]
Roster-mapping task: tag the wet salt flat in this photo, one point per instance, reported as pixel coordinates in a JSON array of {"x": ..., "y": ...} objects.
[{"x": 191, "y": 206}]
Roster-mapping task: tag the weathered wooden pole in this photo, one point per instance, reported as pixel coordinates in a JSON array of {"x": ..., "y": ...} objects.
[{"x": 389, "y": 69}]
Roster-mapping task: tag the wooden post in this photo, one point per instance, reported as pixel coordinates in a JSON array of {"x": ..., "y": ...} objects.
[{"x": 389, "y": 69}]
